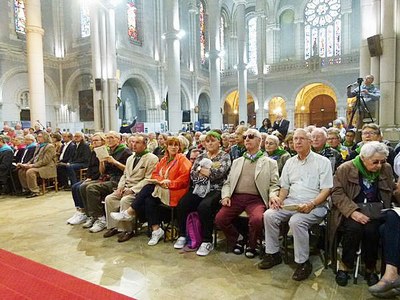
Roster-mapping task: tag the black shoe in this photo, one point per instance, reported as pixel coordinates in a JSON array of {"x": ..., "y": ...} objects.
[
  {"x": 303, "y": 271},
  {"x": 32, "y": 195},
  {"x": 371, "y": 278},
  {"x": 250, "y": 253},
  {"x": 238, "y": 249},
  {"x": 270, "y": 260},
  {"x": 342, "y": 278}
]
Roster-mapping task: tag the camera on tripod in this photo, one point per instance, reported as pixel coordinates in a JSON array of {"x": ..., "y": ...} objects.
[{"x": 360, "y": 80}]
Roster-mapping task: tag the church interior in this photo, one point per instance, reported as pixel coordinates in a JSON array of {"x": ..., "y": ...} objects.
[{"x": 91, "y": 65}]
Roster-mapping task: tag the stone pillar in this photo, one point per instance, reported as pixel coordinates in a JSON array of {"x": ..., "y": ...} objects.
[
  {"x": 96, "y": 65},
  {"x": 112, "y": 83},
  {"x": 241, "y": 66},
  {"x": 193, "y": 56},
  {"x": 388, "y": 70},
  {"x": 215, "y": 66},
  {"x": 173, "y": 73},
  {"x": 261, "y": 52},
  {"x": 368, "y": 28},
  {"x": 34, "y": 45},
  {"x": 290, "y": 116}
]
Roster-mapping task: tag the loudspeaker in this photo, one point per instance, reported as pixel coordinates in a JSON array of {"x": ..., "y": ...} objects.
[
  {"x": 374, "y": 45},
  {"x": 186, "y": 116},
  {"x": 97, "y": 83}
]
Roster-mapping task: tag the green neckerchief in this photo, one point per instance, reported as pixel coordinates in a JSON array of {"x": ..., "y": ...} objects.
[
  {"x": 323, "y": 148},
  {"x": 278, "y": 152},
  {"x": 41, "y": 145},
  {"x": 347, "y": 144},
  {"x": 253, "y": 157},
  {"x": 358, "y": 149},
  {"x": 142, "y": 153},
  {"x": 371, "y": 177},
  {"x": 338, "y": 148},
  {"x": 120, "y": 148}
]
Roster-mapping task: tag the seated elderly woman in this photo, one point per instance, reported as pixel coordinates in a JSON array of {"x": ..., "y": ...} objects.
[
  {"x": 362, "y": 187},
  {"x": 43, "y": 164},
  {"x": 276, "y": 152},
  {"x": 170, "y": 181},
  {"x": 389, "y": 285},
  {"x": 208, "y": 174}
]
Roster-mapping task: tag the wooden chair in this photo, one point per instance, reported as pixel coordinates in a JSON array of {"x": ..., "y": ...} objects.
[{"x": 50, "y": 182}]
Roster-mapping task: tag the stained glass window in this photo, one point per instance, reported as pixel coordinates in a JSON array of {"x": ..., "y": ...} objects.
[
  {"x": 323, "y": 28},
  {"x": 202, "y": 24},
  {"x": 252, "y": 45},
  {"x": 85, "y": 19},
  {"x": 132, "y": 11},
  {"x": 19, "y": 16},
  {"x": 222, "y": 42}
]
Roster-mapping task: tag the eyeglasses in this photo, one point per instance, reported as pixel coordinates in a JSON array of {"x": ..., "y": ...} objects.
[
  {"x": 270, "y": 143},
  {"x": 250, "y": 136},
  {"x": 378, "y": 162},
  {"x": 96, "y": 140},
  {"x": 369, "y": 133}
]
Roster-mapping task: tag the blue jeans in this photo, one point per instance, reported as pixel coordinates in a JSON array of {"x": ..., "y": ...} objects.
[
  {"x": 391, "y": 239},
  {"x": 76, "y": 194}
]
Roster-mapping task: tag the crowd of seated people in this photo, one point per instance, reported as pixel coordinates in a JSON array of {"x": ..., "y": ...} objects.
[{"x": 274, "y": 178}]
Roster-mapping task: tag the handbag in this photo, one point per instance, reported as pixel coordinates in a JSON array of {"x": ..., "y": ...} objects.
[{"x": 373, "y": 210}]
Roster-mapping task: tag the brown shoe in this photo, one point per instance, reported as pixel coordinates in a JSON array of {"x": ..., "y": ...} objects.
[
  {"x": 303, "y": 271},
  {"x": 270, "y": 260},
  {"x": 110, "y": 232},
  {"x": 125, "y": 236}
]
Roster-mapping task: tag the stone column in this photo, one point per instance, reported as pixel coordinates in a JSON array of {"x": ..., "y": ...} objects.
[
  {"x": 173, "y": 73},
  {"x": 368, "y": 28},
  {"x": 241, "y": 66},
  {"x": 96, "y": 65},
  {"x": 388, "y": 70},
  {"x": 34, "y": 45},
  {"x": 193, "y": 55},
  {"x": 215, "y": 66},
  {"x": 261, "y": 52}
]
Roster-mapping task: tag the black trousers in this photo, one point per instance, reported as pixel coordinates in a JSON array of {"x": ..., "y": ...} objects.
[
  {"x": 148, "y": 206},
  {"x": 391, "y": 238},
  {"x": 206, "y": 207},
  {"x": 353, "y": 234}
]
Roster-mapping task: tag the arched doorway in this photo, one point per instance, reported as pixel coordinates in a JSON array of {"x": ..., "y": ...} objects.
[
  {"x": 322, "y": 110},
  {"x": 315, "y": 104},
  {"x": 276, "y": 105},
  {"x": 231, "y": 110},
  {"x": 204, "y": 109},
  {"x": 133, "y": 101}
]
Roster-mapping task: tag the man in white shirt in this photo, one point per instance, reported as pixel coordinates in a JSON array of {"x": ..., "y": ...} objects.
[{"x": 305, "y": 182}]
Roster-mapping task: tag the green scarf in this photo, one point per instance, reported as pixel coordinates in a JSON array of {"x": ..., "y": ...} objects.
[
  {"x": 347, "y": 144},
  {"x": 119, "y": 148},
  {"x": 253, "y": 157},
  {"x": 277, "y": 153},
  {"x": 142, "y": 153},
  {"x": 325, "y": 146},
  {"x": 358, "y": 149},
  {"x": 371, "y": 177}
]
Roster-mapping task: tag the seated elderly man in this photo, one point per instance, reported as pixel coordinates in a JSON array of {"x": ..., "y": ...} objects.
[
  {"x": 43, "y": 163},
  {"x": 139, "y": 166},
  {"x": 79, "y": 160},
  {"x": 111, "y": 169},
  {"x": 253, "y": 178},
  {"x": 305, "y": 185},
  {"x": 319, "y": 142}
]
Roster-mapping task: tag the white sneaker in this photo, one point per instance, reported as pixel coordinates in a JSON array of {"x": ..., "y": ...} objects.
[
  {"x": 122, "y": 216},
  {"x": 180, "y": 242},
  {"x": 205, "y": 249},
  {"x": 156, "y": 235},
  {"x": 79, "y": 219},
  {"x": 89, "y": 222},
  {"x": 73, "y": 217},
  {"x": 99, "y": 225}
]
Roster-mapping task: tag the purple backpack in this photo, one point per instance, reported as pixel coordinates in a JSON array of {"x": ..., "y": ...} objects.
[{"x": 194, "y": 235}]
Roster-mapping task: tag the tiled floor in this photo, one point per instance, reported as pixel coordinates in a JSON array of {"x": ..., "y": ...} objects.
[{"x": 36, "y": 229}]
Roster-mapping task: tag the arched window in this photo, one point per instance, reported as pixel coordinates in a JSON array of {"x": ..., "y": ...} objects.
[
  {"x": 252, "y": 45},
  {"x": 133, "y": 21},
  {"x": 19, "y": 16},
  {"x": 322, "y": 28},
  {"x": 202, "y": 24},
  {"x": 85, "y": 19},
  {"x": 222, "y": 42}
]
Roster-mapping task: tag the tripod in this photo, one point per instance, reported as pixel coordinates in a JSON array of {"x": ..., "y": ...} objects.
[{"x": 359, "y": 106}]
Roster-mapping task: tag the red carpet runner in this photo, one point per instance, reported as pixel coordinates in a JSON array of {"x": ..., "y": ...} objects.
[{"x": 21, "y": 278}]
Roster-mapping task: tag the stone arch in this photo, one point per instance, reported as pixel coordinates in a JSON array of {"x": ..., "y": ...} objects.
[
  {"x": 277, "y": 104},
  {"x": 153, "y": 98}
]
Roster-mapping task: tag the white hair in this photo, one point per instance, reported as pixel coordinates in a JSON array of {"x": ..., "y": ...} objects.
[{"x": 369, "y": 149}]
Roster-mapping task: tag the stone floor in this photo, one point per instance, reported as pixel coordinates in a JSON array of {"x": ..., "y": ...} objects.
[{"x": 36, "y": 229}]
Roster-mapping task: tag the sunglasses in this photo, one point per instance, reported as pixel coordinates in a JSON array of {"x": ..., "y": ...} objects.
[
  {"x": 250, "y": 136},
  {"x": 376, "y": 162}
]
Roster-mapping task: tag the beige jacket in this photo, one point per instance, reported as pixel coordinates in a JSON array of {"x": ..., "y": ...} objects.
[{"x": 266, "y": 178}]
